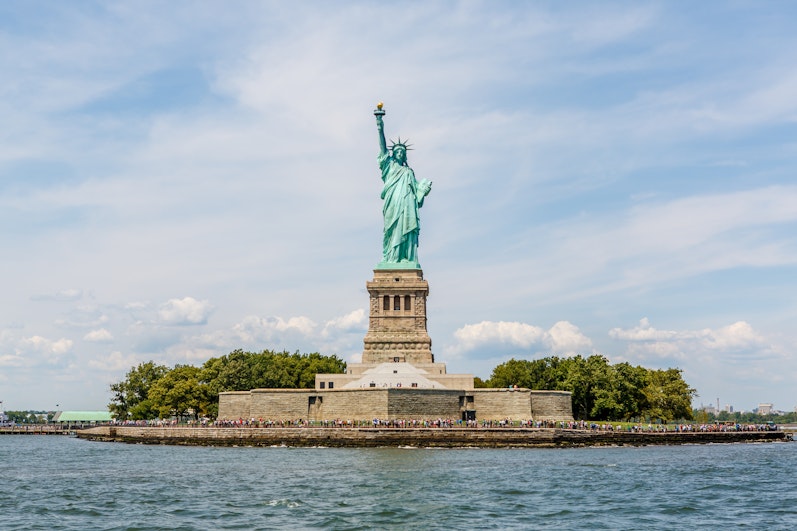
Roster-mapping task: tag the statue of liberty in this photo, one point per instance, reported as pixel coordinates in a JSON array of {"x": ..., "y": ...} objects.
[{"x": 403, "y": 196}]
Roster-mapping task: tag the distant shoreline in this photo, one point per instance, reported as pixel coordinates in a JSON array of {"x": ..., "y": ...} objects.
[{"x": 415, "y": 437}]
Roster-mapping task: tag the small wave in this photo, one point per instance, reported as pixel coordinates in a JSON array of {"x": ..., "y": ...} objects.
[
  {"x": 283, "y": 502},
  {"x": 557, "y": 514},
  {"x": 512, "y": 492},
  {"x": 679, "y": 510}
]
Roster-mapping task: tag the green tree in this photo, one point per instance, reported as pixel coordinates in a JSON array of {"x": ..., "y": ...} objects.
[
  {"x": 232, "y": 372},
  {"x": 309, "y": 365},
  {"x": 241, "y": 371},
  {"x": 620, "y": 396},
  {"x": 478, "y": 383},
  {"x": 589, "y": 380},
  {"x": 545, "y": 373},
  {"x": 668, "y": 397},
  {"x": 180, "y": 393},
  {"x": 149, "y": 390},
  {"x": 600, "y": 390},
  {"x": 130, "y": 396},
  {"x": 511, "y": 373},
  {"x": 27, "y": 417}
]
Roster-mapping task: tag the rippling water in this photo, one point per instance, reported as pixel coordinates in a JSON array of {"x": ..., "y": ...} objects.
[{"x": 53, "y": 482}]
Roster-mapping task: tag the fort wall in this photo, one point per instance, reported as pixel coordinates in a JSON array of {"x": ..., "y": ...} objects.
[{"x": 395, "y": 403}]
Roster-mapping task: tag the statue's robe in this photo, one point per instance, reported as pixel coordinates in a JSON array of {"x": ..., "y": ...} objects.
[{"x": 400, "y": 211}]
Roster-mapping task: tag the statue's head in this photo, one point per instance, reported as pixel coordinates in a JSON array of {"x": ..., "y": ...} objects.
[
  {"x": 399, "y": 150},
  {"x": 400, "y": 154}
]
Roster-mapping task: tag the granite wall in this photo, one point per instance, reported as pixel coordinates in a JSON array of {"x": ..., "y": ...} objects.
[{"x": 395, "y": 403}]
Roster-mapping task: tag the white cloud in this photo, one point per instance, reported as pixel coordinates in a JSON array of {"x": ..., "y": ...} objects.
[
  {"x": 566, "y": 338},
  {"x": 266, "y": 328},
  {"x": 725, "y": 344},
  {"x": 642, "y": 332},
  {"x": 473, "y": 336},
  {"x": 115, "y": 362},
  {"x": 736, "y": 336},
  {"x": 8, "y": 344},
  {"x": 99, "y": 336},
  {"x": 185, "y": 311},
  {"x": 45, "y": 346},
  {"x": 562, "y": 338},
  {"x": 35, "y": 351},
  {"x": 654, "y": 352},
  {"x": 354, "y": 321},
  {"x": 341, "y": 335}
]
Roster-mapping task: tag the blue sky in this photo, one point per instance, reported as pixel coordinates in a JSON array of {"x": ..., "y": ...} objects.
[{"x": 178, "y": 180}]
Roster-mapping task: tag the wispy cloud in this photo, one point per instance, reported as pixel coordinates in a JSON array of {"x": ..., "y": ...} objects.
[
  {"x": 734, "y": 343},
  {"x": 185, "y": 311},
  {"x": 65, "y": 295}
]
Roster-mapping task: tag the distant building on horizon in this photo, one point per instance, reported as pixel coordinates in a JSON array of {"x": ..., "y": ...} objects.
[
  {"x": 764, "y": 409},
  {"x": 709, "y": 409}
]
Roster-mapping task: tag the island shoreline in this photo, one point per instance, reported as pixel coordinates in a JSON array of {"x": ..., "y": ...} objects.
[{"x": 415, "y": 437}]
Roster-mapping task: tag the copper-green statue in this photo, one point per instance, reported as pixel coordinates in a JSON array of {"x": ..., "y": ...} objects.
[{"x": 403, "y": 196}]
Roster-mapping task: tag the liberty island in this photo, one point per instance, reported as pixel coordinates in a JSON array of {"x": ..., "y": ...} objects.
[{"x": 398, "y": 395}]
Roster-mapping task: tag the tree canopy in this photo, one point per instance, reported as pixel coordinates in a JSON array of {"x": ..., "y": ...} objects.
[
  {"x": 131, "y": 395},
  {"x": 602, "y": 391},
  {"x": 152, "y": 391}
]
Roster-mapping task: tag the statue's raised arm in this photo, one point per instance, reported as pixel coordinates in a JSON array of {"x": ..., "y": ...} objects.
[
  {"x": 403, "y": 196},
  {"x": 380, "y": 126}
]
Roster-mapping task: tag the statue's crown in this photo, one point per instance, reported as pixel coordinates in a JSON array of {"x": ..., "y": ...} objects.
[{"x": 399, "y": 143}]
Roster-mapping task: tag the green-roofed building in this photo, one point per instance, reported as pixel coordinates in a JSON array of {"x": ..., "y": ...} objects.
[{"x": 82, "y": 417}]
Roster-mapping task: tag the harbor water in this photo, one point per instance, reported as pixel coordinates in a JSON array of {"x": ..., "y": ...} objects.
[{"x": 58, "y": 482}]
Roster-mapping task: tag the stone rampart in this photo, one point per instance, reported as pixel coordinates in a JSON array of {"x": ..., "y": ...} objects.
[
  {"x": 395, "y": 403},
  {"x": 235, "y": 405},
  {"x": 290, "y": 403},
  {"x": 408, "y": 404},
  {"x": 551, "y": 405},
  {"x": 498, "y": 404},
  {"x": 352, "y": 404}
]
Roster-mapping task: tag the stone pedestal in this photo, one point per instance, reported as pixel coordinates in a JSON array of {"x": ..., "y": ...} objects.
[{"x": 397, "y": 325}]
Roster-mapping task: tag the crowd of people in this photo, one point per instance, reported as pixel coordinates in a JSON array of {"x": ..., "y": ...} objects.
[{"x": 581, "y": 425}]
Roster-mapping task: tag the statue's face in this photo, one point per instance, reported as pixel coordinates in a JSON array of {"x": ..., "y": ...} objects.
[{"x": 400, "y": 155}]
